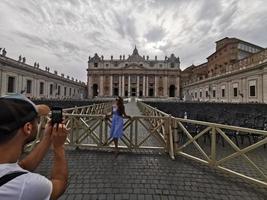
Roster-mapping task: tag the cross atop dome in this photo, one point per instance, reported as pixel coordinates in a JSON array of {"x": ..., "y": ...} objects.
[{"x": 135, "y": 51}]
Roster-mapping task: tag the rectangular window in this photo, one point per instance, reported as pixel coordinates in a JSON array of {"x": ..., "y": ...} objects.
[
  {"x": 195, "y": 94},
  {"x": 235, "y": 92},
  {"x": 41, "y": 88},
  {"x": 11, "y": 84},
  {"x": 207, "y": 94},
  {"x": 29, "y": 87},
  {"x": 70, "y": 92},
  {"x": 65, "y": 91},
  {"x": 214, "y": 93},
  {"x": 252, "y": 91},
  {"x": 200, "y": 94},
  {"x": 58, "y": 90},
  {"x": 51, "y": 89},
  {"x": 223, "y": 92}
]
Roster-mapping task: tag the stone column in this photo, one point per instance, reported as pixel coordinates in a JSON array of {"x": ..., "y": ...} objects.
[
  {"x": 101, "y": 87},
  {"x": 137, "y": 90},
  {"x": 147, "y": 86},
  {"x": 123, "y": 83},
  {"x": 156, "y": 85},
  {"x": 229, "y": 92},
  {"x": 129, "y": 86},
  {"x": 177, "y": 86},
  {"x": 264, "y": 85},
  {"x": 244, "y": 90},
  {"x": 144, "y": 85},
  {"x": 259, "y": 89},
  {"x": 119, "y": 85},
  {"x": 111, "y": 85},
  {"x": 165, "y": 86}
]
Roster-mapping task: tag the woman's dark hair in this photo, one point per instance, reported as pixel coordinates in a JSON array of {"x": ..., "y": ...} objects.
[{"x": 120, "y": 105}]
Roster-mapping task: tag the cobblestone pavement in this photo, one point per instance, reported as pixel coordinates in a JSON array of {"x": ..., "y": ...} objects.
[
  {"x": 99, "y": 175},
  {"x": 95, "y": 174}
]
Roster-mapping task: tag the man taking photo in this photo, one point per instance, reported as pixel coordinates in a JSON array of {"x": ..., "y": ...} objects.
[{"x": 18, "y": 126}]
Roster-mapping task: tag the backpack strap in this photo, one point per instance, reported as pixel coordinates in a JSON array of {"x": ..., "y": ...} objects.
[{"x": 8, "y": 177}]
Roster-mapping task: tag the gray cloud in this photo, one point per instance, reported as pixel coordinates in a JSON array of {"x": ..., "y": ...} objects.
[{"x": 155, "y": 34}]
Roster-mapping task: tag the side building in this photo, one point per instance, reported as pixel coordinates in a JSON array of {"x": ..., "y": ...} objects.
[
  {"x": 36, "y": 83},
  {"x": 134, "y": 76},
  {"x": 236, "y": 72}
]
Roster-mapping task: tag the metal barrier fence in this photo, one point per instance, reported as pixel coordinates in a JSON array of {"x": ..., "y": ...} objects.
[
  {"x": 89, "y": 128},
  {"x": 176, "y": 136},
  {"x": 101, "y": 108},
  {"x": 248, "y": 162}
]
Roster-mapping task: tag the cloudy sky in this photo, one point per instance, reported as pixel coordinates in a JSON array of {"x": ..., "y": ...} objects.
[{"x": 61, "y": 34}]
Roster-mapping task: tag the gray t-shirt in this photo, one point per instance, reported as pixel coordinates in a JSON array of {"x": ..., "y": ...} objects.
[{"x": 28, "y": 186}]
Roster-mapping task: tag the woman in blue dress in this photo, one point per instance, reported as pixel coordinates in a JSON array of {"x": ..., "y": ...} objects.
[{"x": 118, "y": 112}]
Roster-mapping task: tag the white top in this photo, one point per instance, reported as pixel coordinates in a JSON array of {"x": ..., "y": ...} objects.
[{"x": 28, "y": 186}]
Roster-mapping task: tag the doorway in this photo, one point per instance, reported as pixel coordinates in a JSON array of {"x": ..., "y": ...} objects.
[
  {"x": 151, "y": 92},
  {"x": 133, "y": 92},
  {"x": 95, "y": 90},
  {"x": 172, "y": 91}
]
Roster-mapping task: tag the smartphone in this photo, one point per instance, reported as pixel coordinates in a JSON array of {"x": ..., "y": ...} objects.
[{"x": 57, "y": 116}]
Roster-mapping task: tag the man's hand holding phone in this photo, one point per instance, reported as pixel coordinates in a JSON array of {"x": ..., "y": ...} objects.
[{"x": 59, "y": 130}]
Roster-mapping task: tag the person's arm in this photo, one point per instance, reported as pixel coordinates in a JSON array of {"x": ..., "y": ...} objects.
[
  {"x": 108, "y": 115},
  {"x": 31, "y": 161},
  {"x": 59, "y": 175}
]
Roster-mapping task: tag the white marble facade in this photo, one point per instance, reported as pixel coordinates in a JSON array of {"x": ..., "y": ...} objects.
[{"x": 133, "y": 76}]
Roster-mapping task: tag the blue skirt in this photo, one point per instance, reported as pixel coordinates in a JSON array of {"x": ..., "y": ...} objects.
[{"x": 116, "y": 130}]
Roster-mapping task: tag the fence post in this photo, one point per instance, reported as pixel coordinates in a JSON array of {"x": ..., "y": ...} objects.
[
  {"x": 213, "y": 146},
  {"x": 170, "y": 130},
  {"x": 71, "y": 130},
  {"x": 101, "y": 132}
]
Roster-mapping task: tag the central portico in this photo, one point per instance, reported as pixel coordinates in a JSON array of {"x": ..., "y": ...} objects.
[{"x": 135, "y": 76}]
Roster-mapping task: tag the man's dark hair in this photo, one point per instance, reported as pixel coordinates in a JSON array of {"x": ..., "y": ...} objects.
[{"x": 6, "y": 137}]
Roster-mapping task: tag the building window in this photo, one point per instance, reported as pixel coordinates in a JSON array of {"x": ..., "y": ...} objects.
[
  {"x": 223, "y": 92},
  {"x": 252, "y": 90},
  {"x": 51, "y": 89},
  {"x": 195, "y": 94},
  {"x": 29, "y": 86},
  {"x": 95, "y": 64},
  {"x": 41, "y": 88},
  {"x": 70, "y": 92},
  {"x": 58, "y": 90},
  {"x": 172, "y": 65},
  {"x": 214, "y": 93},
  {"x": 65, "y": 91},
  {"x": 11, "y": 84},
  {"x": 200, "y": 94},
  {"x": 207, "y": 94},
  {"x": 235, "y": 92}
]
